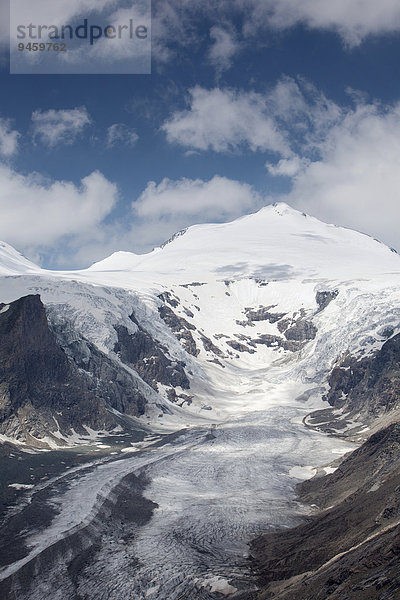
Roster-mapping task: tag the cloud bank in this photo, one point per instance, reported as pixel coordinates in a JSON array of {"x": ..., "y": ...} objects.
[
  {"x": 120, "y": 134},
  {"x": 225, "y": 120},
  {"x": 247, "y": 21},
  {"x": 292, "y": 115}
]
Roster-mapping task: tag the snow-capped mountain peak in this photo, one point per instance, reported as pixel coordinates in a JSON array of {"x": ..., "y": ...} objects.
[{"x": 277, "y": 242}]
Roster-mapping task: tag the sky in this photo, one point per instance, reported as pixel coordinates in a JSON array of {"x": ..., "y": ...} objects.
[{"x": 248, "y": 102}]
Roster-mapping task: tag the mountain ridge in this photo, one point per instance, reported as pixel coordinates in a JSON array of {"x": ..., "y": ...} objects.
[
  {"x": 278, "y": 222},
  {"x": 273, "y": 288},
  {"x": 283, "y": 231}
]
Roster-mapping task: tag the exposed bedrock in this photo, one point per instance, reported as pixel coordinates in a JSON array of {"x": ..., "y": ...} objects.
[
  {"x": 351, "y": 548},
  {"x": 43, "y": 390},
  {"x": 362, "y": 393},
  {"x": 181, "y": 328},
  {"x": 149, "y": 359}
]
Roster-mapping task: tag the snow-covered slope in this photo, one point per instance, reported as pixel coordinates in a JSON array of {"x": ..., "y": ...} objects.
[
  {"x": 257, "y": 311},
  {"x": 14, "y": 263},
  {"x": 277, "y": 242}
]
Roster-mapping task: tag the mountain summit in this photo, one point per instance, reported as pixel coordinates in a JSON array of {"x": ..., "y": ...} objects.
[{"x": 277, "y": 242}]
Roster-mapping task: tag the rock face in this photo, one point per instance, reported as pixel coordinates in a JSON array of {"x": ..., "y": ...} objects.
[
  {"x": 240, "y": 347},
  {"x": 181, "y": 328},
  {"x": 297, "y": 331},
  {"x": 42, "y": 390},
  {"x": 263, "y": 314},
  {"x": 148, "y": 358},
  {"x": 371, "y": 385},
  {"x": 325, "y": 298},
  {"x": 351, "y": 548},
  {"x": 362, "y": 392},
  {"x": 301, "y": 331}
]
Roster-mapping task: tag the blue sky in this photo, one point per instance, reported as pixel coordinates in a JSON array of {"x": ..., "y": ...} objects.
[{"x": 249, "y": 102}]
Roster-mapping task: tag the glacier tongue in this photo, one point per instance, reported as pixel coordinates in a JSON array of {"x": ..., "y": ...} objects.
[
  {"x": 219, "y": 495},
  {"x": 216, "y": 488}
]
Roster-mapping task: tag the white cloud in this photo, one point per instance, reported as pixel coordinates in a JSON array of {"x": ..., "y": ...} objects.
[
  {"x": 58, "y": 13},
  {"x": 287, "y": 167},
  {"x": 223, "y": 49},
  {"x": 352, "y": 19},
  {"x": 292, "y": 115},
  {"x": 37, "y": 214},
  {"x": 172, "y": 21},
  {"x": 302, "y": 111},
  {"x": 225, "y": 120},
  {"x": 121, "y": 135},
  {"x": 111, "y": 51},
  {"x": 8, "y": 139},
  {"x": 118, "y": 51},
  {"x": 356, "y": 182},
  {"x": 74, "y": 225},
  {"x": 344, "y": 162},
  {"x": 163, "y": 209},
  {"x": 179, "y": 23},
  {"x": 53, "y": 127},
  {"x": 216, "y": 199}
]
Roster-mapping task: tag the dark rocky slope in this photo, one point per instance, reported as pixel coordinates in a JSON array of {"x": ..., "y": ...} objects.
[
  {"x": 181, "y": 328},
  {"x": 149, "y": 358},
  {"x": 351, "y": 548},
  {"x": 365, "y": 391},
  {"x": 43, "y": 390},
  {"x": 370, "y": 386}
]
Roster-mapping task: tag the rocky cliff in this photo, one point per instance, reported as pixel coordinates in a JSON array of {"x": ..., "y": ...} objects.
[
  {"x": 45, "y": 392},
  {"x": 350, "y": 549},
  {"x": 364, "y": 394}
]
